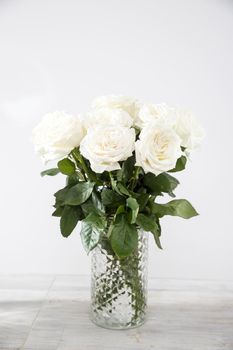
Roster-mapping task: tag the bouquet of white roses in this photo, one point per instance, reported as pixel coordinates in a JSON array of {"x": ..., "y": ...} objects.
[{"x": 118, "y": 158}]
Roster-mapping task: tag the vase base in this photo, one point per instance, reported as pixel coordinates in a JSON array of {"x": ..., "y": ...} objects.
[{"x": 116, "y": 326}]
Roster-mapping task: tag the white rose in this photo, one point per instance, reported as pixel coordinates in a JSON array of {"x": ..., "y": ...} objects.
[
  {"x": 158, "y": 148},
  {"x": 107, "y": 116},
  {"x": 127, "y": 104},
  {"x": 56, "y": 135},
  {"x": 189, "y": 130},
  {"x": 105, "y": 146},
  {"x": 150, "y": 113}
]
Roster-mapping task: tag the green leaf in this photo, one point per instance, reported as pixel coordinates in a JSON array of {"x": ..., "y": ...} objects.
[
  {"x": 96, "y": 220},
  {"x": 159, "y": 226},
  {"x": 111, "y": 198},
  {"x": 167, "y": 182},
  {"x": 161, "y": 183},
  {"x": 117, "y": 186},
  {"x": 66, "y": 166},
  {"x": 50, "y": 172},
  {"x": 157, "y": 239},
  {"x": 134, "y": 206},
  {"x": 97, "y": 202},
  {"x": 58, "y": 212},
  {"x": 60, "y": 196},
  {"x": 178, "y": 207},
  {"x": 120, "y": 210},
  {"x": 69, "y": 219},
  {"x": 142, "y": 200},
  {"x": 123, "y": 189},
  {"x": 92, "y": 227},
  {"x": 88, "y": 207},
  {"x": 126, "y": 172},
  {"x": 90, "y": 236},
  {"x": 148, "y": 223},
  {"x": 72, "y": 180},
  {"x": 180, "y": 164},
  {"x": 124, "y": 237},
  {"x": 79, "y": 193}
]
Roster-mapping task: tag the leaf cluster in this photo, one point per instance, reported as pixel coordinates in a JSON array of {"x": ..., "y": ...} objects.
[{"x": 112, "y": 206}]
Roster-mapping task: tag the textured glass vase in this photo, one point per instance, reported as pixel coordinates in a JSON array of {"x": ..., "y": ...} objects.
[{"x": 119, "y": 286}]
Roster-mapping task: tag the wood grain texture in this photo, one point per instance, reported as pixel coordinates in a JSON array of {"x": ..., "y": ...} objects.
[{"x": 52, "y": 313}]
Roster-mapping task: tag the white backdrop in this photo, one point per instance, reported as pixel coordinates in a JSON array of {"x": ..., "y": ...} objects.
[{"x": 59, "y": 54}]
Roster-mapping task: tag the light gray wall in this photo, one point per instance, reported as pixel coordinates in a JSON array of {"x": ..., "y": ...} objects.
[{"x": 59, "y": 54}]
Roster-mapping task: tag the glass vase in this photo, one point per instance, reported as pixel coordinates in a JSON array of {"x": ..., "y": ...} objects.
[{"x": 119, "y": 286}]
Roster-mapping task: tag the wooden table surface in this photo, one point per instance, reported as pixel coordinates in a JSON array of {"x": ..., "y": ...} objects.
[{"x": 52, "y": 312}]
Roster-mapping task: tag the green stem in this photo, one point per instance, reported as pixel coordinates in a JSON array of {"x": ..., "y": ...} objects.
[
  {"x": 130, "y": 268},
  {"x": 79, "y": 165},
  {"x": 80, "y": 160},
  {"x": 112, "y": 283},
  {"x": 135, "y": 178}
]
